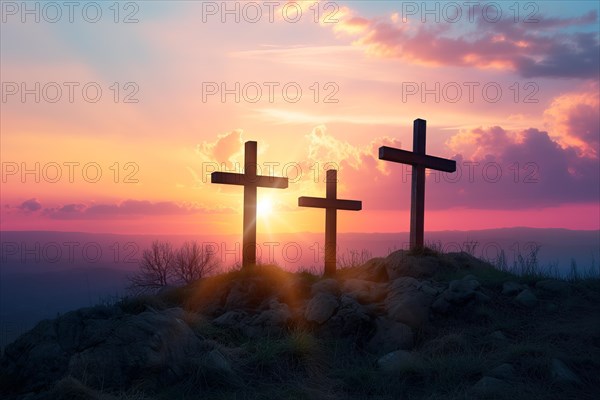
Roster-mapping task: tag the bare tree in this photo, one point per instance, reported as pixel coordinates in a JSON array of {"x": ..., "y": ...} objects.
[
  {"x": 192, "y": 262},
  {"x": 157, "y": 267}
]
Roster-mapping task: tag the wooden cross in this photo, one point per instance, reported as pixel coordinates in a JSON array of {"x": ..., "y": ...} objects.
[
  {"x": 250, "y": 180},
  {"x": 419, "y": 161},
  {"x": 331, "y": 204}
]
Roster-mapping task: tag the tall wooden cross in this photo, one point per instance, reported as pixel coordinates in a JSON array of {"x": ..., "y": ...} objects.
[
  {"x": 419, "y": 161},
  {"x": 331, "y": 204},
  {"x": 250, "y": 180}
]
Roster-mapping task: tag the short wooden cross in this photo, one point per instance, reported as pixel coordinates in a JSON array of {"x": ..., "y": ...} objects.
[
  {"x": 250, "y": 180},
  {"x": 419, "y": 161},
  {"x": 331, "y": 204}
]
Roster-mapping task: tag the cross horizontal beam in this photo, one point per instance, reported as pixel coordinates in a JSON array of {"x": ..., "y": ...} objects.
[
  {"x": 319, "y": 202},
  {"x": 230, "y": 178},
  {"x": 420, "y": 160}
]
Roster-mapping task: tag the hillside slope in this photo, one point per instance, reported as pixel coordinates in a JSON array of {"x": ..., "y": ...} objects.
[{"x": 426, "y": 326}]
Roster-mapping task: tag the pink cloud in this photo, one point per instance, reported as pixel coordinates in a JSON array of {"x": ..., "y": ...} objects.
[
  {"x": 575, "y": 119},
  {"x": 532, "y": 50},
  {"x": 124, "y": 210},
  {"x": 227, "y": 148}
]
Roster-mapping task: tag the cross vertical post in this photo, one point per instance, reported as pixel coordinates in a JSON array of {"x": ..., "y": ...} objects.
[
  {"x": 331, "y": 204},
  {"x": 417, "y": 208},
  {"x": 249, "y": 237},
  {"x": 331, "y": 224},
  {"x": 419, "y": 161},
  {"x": 251, "y": 181}
]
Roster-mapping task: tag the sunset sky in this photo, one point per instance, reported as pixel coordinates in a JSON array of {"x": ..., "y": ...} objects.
[{"x": 509, "y": 90}]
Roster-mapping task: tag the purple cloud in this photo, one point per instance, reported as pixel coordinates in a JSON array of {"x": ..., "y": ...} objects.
[{"x": 30, "y": 205}]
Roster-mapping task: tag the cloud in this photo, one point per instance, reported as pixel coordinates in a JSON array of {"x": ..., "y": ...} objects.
[
  {"x": 227, "y": 148},
  {"x": 126, "y": 209},
  {"x": 324, "y": 149},
  {"x": 30, "y": 205},
  {"x": 575, "y": 119},
  {"x": 529, "y": 49},
  {"x": 497, "y": 169}
]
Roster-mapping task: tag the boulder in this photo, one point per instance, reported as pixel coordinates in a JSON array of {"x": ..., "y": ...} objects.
[
  {"x": 216, "y": 370},
  {"x": 270, "y": 321},
  {"x": 231, "y": 319},
  {"x": 503, "y": 371},
  {"x": 401, "y": 264},
  {"x": 489, "y": 386},
  {"x": 320, "y": 308},
  {"x": 526, "y": 299},
  {"x": 367, "y": 292},
  {"x": 441, "y": 305},
  {"x": 329, "y": 286},
  {"x": 245, "y": 295},
  {"x": 373, "y": 270},
  {"x": 406, "y": 303},
  {"x": 563, "y": 374},
  {"x": 397, "y": 362},
  {"x": 138, "y": 347},
  {"x": 107, "y": 350},
  {"x": 390, "y": 336},
  {"x": 461, "y": 290},
  {"x": 351, "y": 318},
  {"x": 512, "y": 288}
]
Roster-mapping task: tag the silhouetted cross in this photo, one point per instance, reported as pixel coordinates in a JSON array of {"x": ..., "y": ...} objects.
[
  {"x": 419, "y": 161},
  {"x": 331, "y": 204},
  {"x": 250, "y": 180}
]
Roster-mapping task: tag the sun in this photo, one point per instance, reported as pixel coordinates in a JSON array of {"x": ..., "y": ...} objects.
[{"x": 264, "y": 207}]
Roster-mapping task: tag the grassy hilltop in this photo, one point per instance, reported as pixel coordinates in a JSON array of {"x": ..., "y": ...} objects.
[{"x": 408, "y": 326}]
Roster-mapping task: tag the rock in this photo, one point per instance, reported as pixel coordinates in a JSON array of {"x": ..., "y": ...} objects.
[
  {"x": 365, "y": 291},
  {"x": 218, "y": 363},
  {"x": 138, "y": 347},
  {"x": 562, "y": 374},
  {"x": 104, "y": 350},
  {"x": 482, "y": 298},
  {"x": 428, "y": 288},
  {"x": 489, "y": 386},
  {"x": 214, "y": 369},
  {"x": 461, "y": 290},
  {"x": 270, "y": 321},
  {"x": 320, "y": 308},
  {"x": 231, "y": 319},
  {"x": 512, "y": 288},
  {"x": 554, "y": 286},
  {"x": 526, "y": 299},
  {"x": 69, "y": 388},
  {"x": 441, "y": 305},
  {"x": 404, "y": 283},
  {"x": 36, "y": 359},
  {"x": 401, "y": 264},
  {"x": 390, "y": 336},
  {"x": 373, "y": 270},
  {"x": 351, "y": 318},
  {"x": 406, "y": 303},
  {"x": 330, "y": 286},
  {"x": 247, "y": 294},
  {"x": 503, "y": 371},
  {"x": 278, "y": 314},
  {"x": 397, "y": 361}
]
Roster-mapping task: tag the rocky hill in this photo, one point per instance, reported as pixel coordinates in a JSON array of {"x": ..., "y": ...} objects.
[{"x": 408, "y": 326}]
